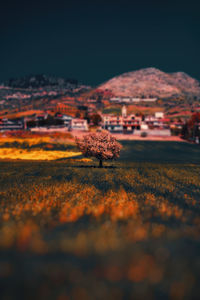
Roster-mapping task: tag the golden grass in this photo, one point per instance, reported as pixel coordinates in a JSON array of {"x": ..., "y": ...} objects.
[
  {"x": 30, "y": 141},
  {"x": 24, "y": 154}
]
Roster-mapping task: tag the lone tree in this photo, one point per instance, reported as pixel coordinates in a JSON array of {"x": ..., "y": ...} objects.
[
  {"x": 101, "y": 145},
  {"x": 96, "y": 119}
]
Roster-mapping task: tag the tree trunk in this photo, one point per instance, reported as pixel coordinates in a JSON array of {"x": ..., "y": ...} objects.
[{"x": 100, "y": 163}]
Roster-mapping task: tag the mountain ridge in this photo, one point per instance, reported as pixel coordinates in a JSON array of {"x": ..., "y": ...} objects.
[
  {"x": 40, "y": 80},
  {"x": 152, "y": 82}
]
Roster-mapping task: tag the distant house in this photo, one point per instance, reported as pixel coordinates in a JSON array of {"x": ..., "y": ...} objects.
[
  {"x": 41, "y": 117},
  {"x": 65, "y": 118},
  {"x": 159, "y": 115},
  {"x": 136, "y": 100},
  {"x": 113, "y": 123},
  {"x": 79, "y": 124},
  {"x": 131, "y": 123},
  {"x": 144, "y": 126},
  {"x": 120, "y": 124},
  {"x": 7, "y": 125},
  {"x": 157, "y": 121}
]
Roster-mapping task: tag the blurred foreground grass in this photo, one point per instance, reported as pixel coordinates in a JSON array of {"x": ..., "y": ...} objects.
[{"x": 131, "y": 231}]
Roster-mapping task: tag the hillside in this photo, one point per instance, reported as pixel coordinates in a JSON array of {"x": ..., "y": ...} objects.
[
  {"x": 151, "y": 82},
  {"x": 41, "y": 92}
]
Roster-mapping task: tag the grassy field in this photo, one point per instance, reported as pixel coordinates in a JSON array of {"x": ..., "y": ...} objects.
[{"x": 131, "y": 230}]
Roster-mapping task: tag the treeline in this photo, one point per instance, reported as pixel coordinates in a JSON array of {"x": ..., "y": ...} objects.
[
  {"x": 49, "y": 121},
  {"x": 191, "y": 129}
]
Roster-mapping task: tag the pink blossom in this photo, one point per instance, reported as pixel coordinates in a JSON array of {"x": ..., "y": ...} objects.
[{"x": 101, "y": 145}]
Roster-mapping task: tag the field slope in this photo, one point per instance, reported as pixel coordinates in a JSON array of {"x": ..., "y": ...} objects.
[{"x": 69, "y": 230}]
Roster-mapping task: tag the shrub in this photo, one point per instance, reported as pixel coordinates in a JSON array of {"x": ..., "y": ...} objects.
[{"x": 143, "y": 134}]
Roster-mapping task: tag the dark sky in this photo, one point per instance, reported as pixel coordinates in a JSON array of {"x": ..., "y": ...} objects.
[{"x": 93, "y": 41}]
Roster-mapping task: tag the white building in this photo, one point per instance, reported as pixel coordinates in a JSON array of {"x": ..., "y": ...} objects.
[
  {"x": 79, "y": 124},
  {"x": 149, "y": 99},
  {"x": 144, "y": 126},
  {"x": 136, "y": 100},
  {"x": 159, "y": 115},
  {"x": 126, "y": 100},
  {"x": 126, "y": 124},
  {"x": 65, "y": 118},
  {"x": 124, "y": 111}
]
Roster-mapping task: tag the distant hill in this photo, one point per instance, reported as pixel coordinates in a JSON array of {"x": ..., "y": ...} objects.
[
  {"x": 151, "y": 82},
  {"x": 40, "y": 80}
]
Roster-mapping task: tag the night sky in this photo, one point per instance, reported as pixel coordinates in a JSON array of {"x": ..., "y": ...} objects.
[{"x": 93, "y": 41}]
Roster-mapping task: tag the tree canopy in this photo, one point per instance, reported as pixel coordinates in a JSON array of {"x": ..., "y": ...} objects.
[{"x": 101, "y": 145}]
